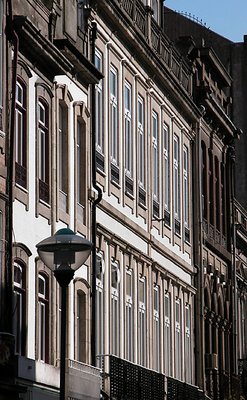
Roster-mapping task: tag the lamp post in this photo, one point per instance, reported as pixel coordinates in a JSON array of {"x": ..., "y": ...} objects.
[{"x": 63, "y": 253}]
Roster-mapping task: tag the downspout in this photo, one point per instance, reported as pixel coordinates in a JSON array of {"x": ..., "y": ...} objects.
[
  {"x": 94, "y": 204},
  {"x": 233, "y": 269},
  {"x": 198, "y": 261},
  {"x": 10, "y": 171}
]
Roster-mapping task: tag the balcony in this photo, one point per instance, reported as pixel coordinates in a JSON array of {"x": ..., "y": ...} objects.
[
  {"x": 139, "y": 18},
  {"x": 83, "y": 381},
  {"x": 122, "y": 379}
]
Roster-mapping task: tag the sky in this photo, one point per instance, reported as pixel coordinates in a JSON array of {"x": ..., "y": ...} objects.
[{"x": 225, "y": 17}]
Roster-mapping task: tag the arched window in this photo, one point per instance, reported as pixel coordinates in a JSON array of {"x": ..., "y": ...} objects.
[
  {"x": 204, "y": 181},
  {"x": 43, "y": 153},
  {"x": 21, "y": 134},
  {"x": 81, "y": 318},
  {"x": 19, "y": 307},
  {"x": 43, "y": 317}
]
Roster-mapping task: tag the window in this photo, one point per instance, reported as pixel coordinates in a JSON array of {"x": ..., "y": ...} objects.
[
  {"x": 178, "y": 340},
  {"x": 81, "y": 5},
  {"x": 156, "y": 328},
  {"x": 217, "y": 193},
  {"x": 166, "y": 155},
  {"x": 19, "y": 307},
  {"x": 204, "y": 181},
  {"x": 141, "y": 142},
  {"x": 99, "y": 131},
  {"x": 114, "y": 115},
  {"x": 167, "y": 348},
  {"x": 80, "y": 167},
  {"x": 63, "y": 155},
  {"x": 128, "y": 128},
  {"x": 211, "y": 187},
  {"x": 186, "y": 194},
  {"x": 188, "y": 357},
  {"x": 222, "y": 198},
  {"x": 43, "y": 143},
  {"x": 176, "y": 167},
  {"x": 155, "y": 159},
  {"x": 142, "y": 321},
  {"x": 129, "y": 318},
  {"x": 21, "y": 135},
  {"x": 81, "y": 326},
  {"x": 155, "y": 10},
  {"x": 43, "y": 318},
  {"x": 115, "y": 332},
  {"x": 99, "y": 306}
]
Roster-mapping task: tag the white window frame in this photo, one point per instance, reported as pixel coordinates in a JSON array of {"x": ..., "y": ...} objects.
[
  {"x": 176, "y": 171},
  {"x": 156, "y": 329},
  {"x": 167, "y": 326},
  {"x": 99, "y": 129},
  {"x": 155, "y": 155},
  {"x": 100, "y": 308},
  {"x": 128, "y": 128},
  {"x": 142, "y": 322},
  {"x": 186, "y": 185},
  {"x": 178, "y": 340},
  {"x": 166, "y": 155},
  {"x": 129, "y": 319},
  {"x": 42, "y": 320},
  {"x": 187, "y": 344},
  {"x": 141, "y": 141},
  {"x": 115, "y": 312},
  {"x": 114, "y": 115}
]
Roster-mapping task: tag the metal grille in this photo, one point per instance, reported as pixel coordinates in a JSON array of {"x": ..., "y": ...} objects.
[
  {"x": 100, "y": 163},
  {"x": 177, "y": 390},
  {"x": 114, "y": 173},
  {"x": 128, "y": 185},
  {"x": 132, "y": 382}
]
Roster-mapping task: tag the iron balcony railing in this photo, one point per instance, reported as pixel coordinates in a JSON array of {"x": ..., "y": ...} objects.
[{"x": 122, "y": 380}]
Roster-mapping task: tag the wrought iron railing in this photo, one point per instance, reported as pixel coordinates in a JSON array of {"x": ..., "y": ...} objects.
[{"x": 139, "y": 15}]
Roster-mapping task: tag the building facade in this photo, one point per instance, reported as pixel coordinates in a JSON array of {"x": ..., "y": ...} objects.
[{"x": 111, "y": 128}]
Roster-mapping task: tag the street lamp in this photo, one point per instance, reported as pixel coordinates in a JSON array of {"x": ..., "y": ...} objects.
[{"x": 63, "y": 253}]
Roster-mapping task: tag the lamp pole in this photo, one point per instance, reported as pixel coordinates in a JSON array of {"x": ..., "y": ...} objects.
[{"x": 63, "y": 253}]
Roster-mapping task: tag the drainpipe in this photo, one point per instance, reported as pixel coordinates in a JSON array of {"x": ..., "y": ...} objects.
[
  {"x": 234, "y": 367},
  {"x": 13, "y": 38},
  {"x": 94, "y": 205},
  {"x": 198, "y": 261}
]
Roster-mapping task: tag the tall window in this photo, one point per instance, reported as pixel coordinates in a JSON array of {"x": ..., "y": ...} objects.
[
  {"x": 128, "y": 128},
  {"x": 178, "y": 340},
  {"x": 19, "y": 307},
  {"x": 156, "y": 328},
  {"x": 21, "y": 135},
  {"x": 81, "y": 4},
  {"x": 141, "y": 142},
  {"x": 114, "y": 115},
  {"x": 211, "y": 187},
  {"x": 222, "y": 197},
  {"x": 43, "y": 143},
  {"x": 99, "y": 131},
  {"x": 167, "y": 349},
  {"x": 99, "y": 307},
  {"x": 166, "y": 155},
  {"x": 186, "y": 193},
  {"x": 217, "y": 192},
  {"x": 155, "y": 10},
  {"x": 129, "y": 318},
  {"x": 80, "y": 154},
  {"x": 155, "y": 162},
  {"x": 176, "y": 177},
  {"x": 204, "y": 181},
  {"x": 81, "y": 326},
  {"x": 115, "y": 308},
  {"x": 142, "y": 321},
  {"x": 43, "y": 318},
  {"x": 63, "y": 155},
  {"x": 188, "y": 357}
]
